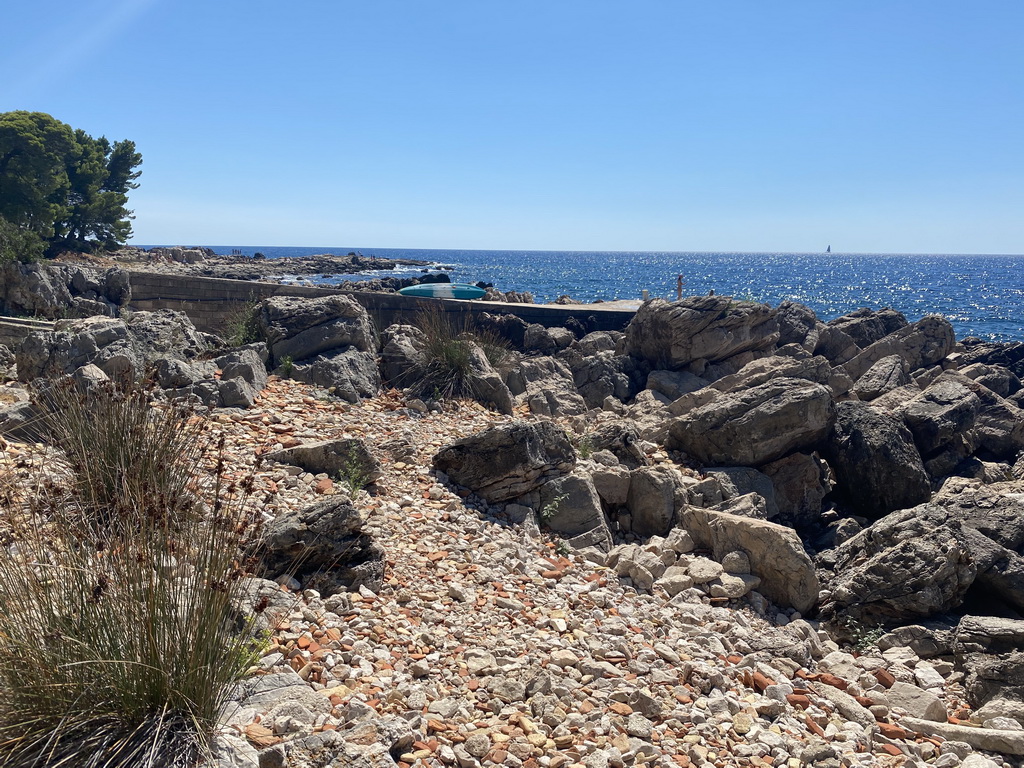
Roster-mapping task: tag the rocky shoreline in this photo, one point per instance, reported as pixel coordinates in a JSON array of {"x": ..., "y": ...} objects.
[{"x": 732, "y": 535}]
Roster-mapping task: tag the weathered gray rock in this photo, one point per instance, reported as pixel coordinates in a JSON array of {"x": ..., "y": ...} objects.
[
  {"x": 765, "y": 369},
  {"x": 402, "y": 354},
  {"x": 884, "y": 376},
  {"x": 347, "y": 458},
  {"x": 674, "y": 384},
  {"x": 909, "y": 565},
  {"x": 546, "y": 385},
  {"x": 737, "y": 481},
  {"x": 654, "y": 495},
  {"x": 611, "y": 483},
  {"x": 1001, "y": 380},
  {"x": 835, "y": 345},
  {"x": 547, "y": 341},
  {"x": 776, "y": 553},
  {"x": 248, "y": 362},
  {"x": 916, "y": 701},
  {"x": 989, "y": 739},
  {"x": 600, "y": 374},
  {"x": 325, "y": 546},
  {"x": 300, "y": 328},
  {"x": 347, "y": 373},
  {"x": 801, "y": 482},
  {"x": 62, "y": 290},
  {"x": 508, "y": 461},
  {"x": 672, "y": 335},
  {"x": 921, "y": 344},
  {"x": 875, "y": 461},
  {"x": 941, "y": 419},
  {"x": 755, "y": 426},
  {"x": 797, "y": 325},
  {"x": 866, "y": 326},
  {"x": 120, "y": 349},
  {"x": 570, "y": 506}
]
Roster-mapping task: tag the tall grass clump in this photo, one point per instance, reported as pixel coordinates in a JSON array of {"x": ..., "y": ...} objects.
[
  {"x": 452, "y": 354},
  {"x": 119, "y": 578},
  {"x": 242, "y": 324}
]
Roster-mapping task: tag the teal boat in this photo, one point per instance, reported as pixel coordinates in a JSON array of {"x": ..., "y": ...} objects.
[{"x": 444, "y": 291}]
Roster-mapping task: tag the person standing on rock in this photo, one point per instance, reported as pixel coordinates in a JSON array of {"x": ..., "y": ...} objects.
[{"x": 679, "y": 287}]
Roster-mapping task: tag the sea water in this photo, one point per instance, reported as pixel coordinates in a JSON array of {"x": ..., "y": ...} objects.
[{"x": 981, "y": 295}]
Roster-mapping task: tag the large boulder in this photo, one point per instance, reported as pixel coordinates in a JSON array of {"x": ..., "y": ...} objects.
[
  {"x": 62, "y": 290},
  {"x": 909, "y": 565},
  {"x": 345, "y": 458},
  {"x": 601, "y": 373},
  {"x": 505, "y": 462},
  {"x": 709, "y": 328},
  {"x": 300, "y": 328},
  {"x": 739, "y": 481},
  {"x": 762, "y": 370},
  {"x": 324, "y": 546},
  {"x": 655, "y": 493},
  {"x": 546, "y": 385},
  {"x": 755, "y": 426},
  {"x": 797, "y": 325},
  {"x": 920, "y": 344},
  {"x": 570, "y": 506},
  {"x": 775, "y": 552},
  {"x": 402, "y": 354},
  {"x": 884, "y": 376},
  {"x": 877, "y": 466},
  {"x": 941, "y": 419},
  {"x": 801, "y": 482},
  {"x": 347, "y": 373},
  {"x": 120, "y": 348},
  {"x": 866, "y": 326}
]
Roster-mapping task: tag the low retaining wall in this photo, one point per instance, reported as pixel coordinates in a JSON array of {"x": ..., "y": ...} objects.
[
  {"x": 14, "y": 330},
  {"x": 211, "y": 303}
]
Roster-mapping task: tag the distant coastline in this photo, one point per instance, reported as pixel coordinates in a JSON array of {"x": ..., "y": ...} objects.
[{"x": 982, "y": 295}]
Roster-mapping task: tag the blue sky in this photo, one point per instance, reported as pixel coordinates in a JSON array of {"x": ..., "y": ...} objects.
[{"x": 750, "y": 126}]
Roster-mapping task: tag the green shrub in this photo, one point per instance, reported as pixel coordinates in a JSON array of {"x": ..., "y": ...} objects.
[
  {"x": 242, "y": 325},
  {"x": 118, "y": 633},
  {"x": 18, "y": 244}
]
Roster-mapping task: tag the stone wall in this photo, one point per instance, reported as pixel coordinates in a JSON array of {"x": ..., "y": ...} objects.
[
  {"x": 14, "y": 330},
  {"x": 211, "y": 302}
]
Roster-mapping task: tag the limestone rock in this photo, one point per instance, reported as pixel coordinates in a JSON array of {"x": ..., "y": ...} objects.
[
  {"x": 884, "y": 376},
  {"x": 506, "y": 462},
  {"x": 921, "y": 344},
  {"x": 801, "y": 481},
  {"x": 672, "y": 335},
  {"x": 325, "y": 545},
  {"x": 866, "y": 326},
  {"x": 876, "y": 464},
  {"x": 654, "y": 495},
  {"x": 909, "y": 565},
  {"x": 776, "y": 553},
  {"x": 300, "y": 328},
  {"x": 755, "y": 426}
]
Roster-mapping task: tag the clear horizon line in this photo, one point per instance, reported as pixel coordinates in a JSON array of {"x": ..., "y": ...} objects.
[{"x": 330, "y": 249}]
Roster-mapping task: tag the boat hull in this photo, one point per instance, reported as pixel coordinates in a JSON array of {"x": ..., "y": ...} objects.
[{"x": 444, "y": 291}]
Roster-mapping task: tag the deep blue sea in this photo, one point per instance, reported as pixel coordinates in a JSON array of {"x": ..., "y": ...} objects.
[{"x": 981, "y": 295}]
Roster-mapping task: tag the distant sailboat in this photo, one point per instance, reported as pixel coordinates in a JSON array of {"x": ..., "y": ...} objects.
[{"x": 829, "y": 249}]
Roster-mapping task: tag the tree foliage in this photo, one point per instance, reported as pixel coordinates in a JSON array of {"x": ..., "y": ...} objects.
[{"x": 63, "y": 185}]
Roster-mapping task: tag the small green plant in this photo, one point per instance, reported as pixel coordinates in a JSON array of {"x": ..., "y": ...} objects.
[
  {"x": 585, "y": 446},
  {"x": 286, "y": 366},
  {"x": 549, "y": 510},
  {"x": 861, "y": 636},
  {"x": 354, "y": 476},
  {"x": 562, "y": 548},
  {"x": 242, "y": 325},
  {"x": 448, "y": 357}
]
